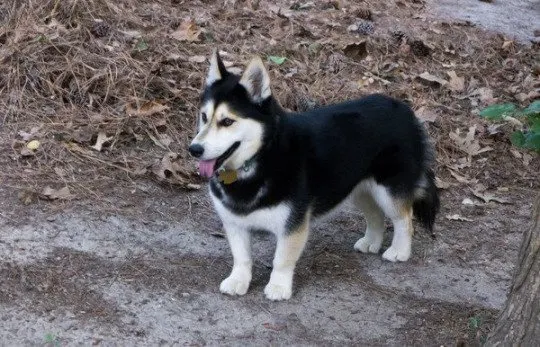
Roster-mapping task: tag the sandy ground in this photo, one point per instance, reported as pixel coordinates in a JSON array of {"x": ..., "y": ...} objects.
[
  {"x": 516, "y": 19},
  {"x": 152, "y": 276},
  {"x": 149, "y": 275}
]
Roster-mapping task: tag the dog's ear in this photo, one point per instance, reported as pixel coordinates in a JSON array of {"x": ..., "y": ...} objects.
[
  {"x": 217, "y": 69},
  {"x": 256, "y": 81}
]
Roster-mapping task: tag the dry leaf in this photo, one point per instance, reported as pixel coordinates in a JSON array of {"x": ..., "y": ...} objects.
[
  {"x": 33, "y": 145},
  {"x": 59, "y": 171},
  {"x": 27, "y": 136},
  {"x": 467, "y": 143},
  {"x": 467, "y": 201},
  {"x": 356, "y": 51},
  {"x": 462, "y": 179},
  {"x": 197, "y": 59},
  {"x": 54, "y": 194},
  {"x": 147, "y": 109},
  {"x": 431, "y": 80},
  {"x": 25, "y": 152},
  {"x": 461, "y": 164},
  {"x": 527, "y": 158},
  {"x": 27, "y": 197},
  {"x": 275, "y": 326},
  {"x": 101, "y": 140},
  {"x": 441, "y": 184},
  {"x": 484, "y": 94},
  {"x": 458, "y": 218},
  {"x": 169, "y": 170},
  {"x": 426, "y": 115},
  {"x": 187, "y": 31},
  {"x": 487, "y": 197},
  {"x": 162, "y": 140},
  {"x": 456, "y": 83},
  {"x": 132, "y": 34},
  {"x": 515, "y": 153},
  {"x": 507, "y": 44}
]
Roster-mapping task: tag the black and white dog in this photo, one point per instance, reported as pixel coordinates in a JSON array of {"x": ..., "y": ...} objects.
[{"x": 273, "y": 170}]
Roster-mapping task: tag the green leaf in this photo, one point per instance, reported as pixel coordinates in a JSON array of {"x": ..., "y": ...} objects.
[
  {"x": 141, "y": 45},
  {"x": 517, "y": 138},
  {"x": 496, "y": 112},
  {"x": 533, "y": 108},
  {"x": 49, "y": 338},
  {"x": 532, "y": 141},
  {"x": 276, "y": 60},
  {"x": 474, "y": 323},
  {"x": 41, "y": 38},
  {"x": 535, "y": 125}
]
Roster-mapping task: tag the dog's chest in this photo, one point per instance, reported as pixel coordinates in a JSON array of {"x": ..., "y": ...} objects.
[{"x": 273, "y": 219}]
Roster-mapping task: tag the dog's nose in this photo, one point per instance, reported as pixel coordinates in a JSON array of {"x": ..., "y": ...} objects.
[{"x": 196, "y": 150}]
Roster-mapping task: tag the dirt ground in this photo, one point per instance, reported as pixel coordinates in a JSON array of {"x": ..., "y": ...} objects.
[{"x": 123, "y": 248}]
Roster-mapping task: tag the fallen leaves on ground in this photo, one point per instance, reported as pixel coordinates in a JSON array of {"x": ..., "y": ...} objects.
[
  {"x": 456, "y": 83},
  {"x": 49, "y": 193},
  {"x": 26, "y": 197},
  {"x": 147, "y": 109},
  {"x": 480, "y": 192},
  {"x": 356, "y": 50},
  {"x": 468, "y": 143},
  {"x": 197, "y": 59},
  {"x": 458, "y": 217},
  {"x": 102, "y": 139},
  {"x": 426, "y": 114},
  {"x": 187, "y": 31},
  {"x": 169, "y": 170},
  {"x": 441, "y": 184},
  {"x": 461, "y": 178},
  {"x": 431, "y": 80},
  {"x": 275, "y": 326}
]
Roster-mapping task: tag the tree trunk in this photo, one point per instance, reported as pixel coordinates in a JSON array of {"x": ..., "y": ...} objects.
[{"x": 519, "y": 322}]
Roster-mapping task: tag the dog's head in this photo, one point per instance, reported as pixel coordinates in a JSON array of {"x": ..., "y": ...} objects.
[{"x": 233, "y": 116}]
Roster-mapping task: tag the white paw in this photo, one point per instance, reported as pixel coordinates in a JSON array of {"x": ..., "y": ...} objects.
[
  {"x": 278, "y": 291},
  {"x": 234, "y": 285},
  {"x": 368, "y": 245},
  {"x": 397, "y": 254}
]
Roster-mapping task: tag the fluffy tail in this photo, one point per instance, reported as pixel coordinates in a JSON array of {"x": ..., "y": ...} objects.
[{"x": 426, "y": 203}]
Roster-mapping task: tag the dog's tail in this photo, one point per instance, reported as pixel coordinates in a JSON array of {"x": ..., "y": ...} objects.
[{"x": 426, "y": 200}]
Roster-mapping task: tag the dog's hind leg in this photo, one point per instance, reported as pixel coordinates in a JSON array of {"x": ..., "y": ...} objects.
[
  {"x": 238, "y": 281},
  {"x": 400, "y": 212},
  {"x": 372, "y": 240},
  {"x": 288, "y": 251}
]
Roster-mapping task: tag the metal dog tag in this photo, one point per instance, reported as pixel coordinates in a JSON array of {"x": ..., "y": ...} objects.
[{"x": 228, "y": 176}]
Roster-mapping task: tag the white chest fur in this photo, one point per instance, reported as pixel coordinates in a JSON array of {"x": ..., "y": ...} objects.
[{"x": 273, "y": 219}]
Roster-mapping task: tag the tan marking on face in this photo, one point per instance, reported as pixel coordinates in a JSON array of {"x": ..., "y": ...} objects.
[
  {"x": 224, "y": 111},
  {"x": 217, "y": 139}
]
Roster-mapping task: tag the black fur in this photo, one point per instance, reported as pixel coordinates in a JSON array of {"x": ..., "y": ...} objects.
[
  {"x": 426, "y": 207},
  {"x": 315, "y": 159}
]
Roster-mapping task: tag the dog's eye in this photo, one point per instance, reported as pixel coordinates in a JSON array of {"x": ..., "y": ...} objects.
[
  {"x": 203, "y": 117},
  {"x": 226, "y": 122}
]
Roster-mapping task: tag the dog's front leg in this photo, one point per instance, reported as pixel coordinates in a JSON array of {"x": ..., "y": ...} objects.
[
  {"x": 289, "y": 248},
  {"x": 238, "y": 281}
]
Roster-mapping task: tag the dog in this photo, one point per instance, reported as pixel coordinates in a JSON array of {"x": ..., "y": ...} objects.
[{"x": 272, "y": 170}]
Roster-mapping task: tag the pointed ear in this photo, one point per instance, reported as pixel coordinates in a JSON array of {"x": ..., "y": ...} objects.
[
  {"x": 217, "y": 69},
  {"x": 256, "y": 81}
]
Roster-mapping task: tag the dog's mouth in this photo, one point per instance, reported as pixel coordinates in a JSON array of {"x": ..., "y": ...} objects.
[{"x": 208, "y": 167}]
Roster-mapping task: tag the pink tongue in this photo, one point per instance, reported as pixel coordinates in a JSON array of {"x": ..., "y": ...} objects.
[{"x": 206, "y": 167}]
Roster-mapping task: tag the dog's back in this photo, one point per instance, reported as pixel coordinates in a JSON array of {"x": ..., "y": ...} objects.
[{"x": 340, "y": 145}]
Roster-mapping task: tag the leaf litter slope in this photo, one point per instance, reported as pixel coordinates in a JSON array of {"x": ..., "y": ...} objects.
[{"x": 110, "y": 89}]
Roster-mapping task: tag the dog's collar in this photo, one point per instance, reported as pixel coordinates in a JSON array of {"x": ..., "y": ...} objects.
[{"x": 227, "y": 176}]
